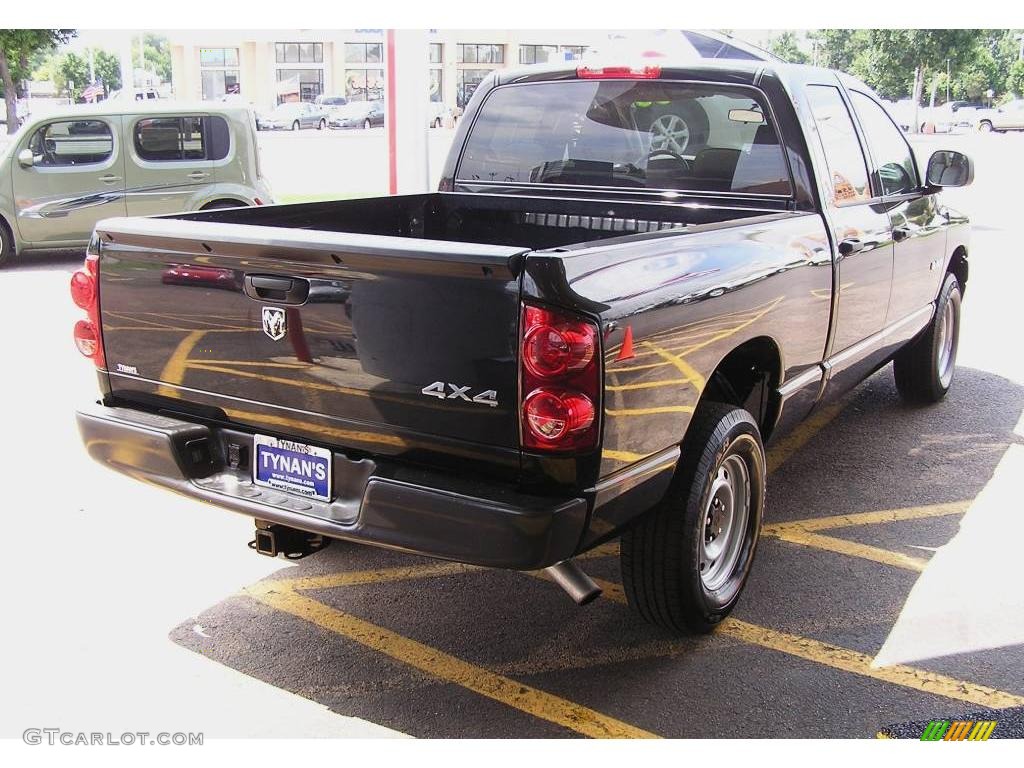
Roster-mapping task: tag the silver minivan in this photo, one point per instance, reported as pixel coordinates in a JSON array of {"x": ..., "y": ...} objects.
[{"x": 63, "y": 172}]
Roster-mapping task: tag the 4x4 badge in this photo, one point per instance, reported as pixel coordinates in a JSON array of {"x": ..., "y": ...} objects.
[{"x": 275, "y": 324}]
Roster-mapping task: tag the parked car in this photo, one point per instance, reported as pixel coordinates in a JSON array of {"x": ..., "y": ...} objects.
[
  {"x": 67, "y": 170},
  {"x": 358, "y": 114},
  {"x": 439, "y": 114},
  {"x": 1008, "y": 117},
  {"x": 629, "y": 281},
  {"x": 328, "y": 103},
  {"x": 291, "y": 116}
]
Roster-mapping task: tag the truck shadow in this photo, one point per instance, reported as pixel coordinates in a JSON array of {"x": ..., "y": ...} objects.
[{"x": 877, "y": 454}]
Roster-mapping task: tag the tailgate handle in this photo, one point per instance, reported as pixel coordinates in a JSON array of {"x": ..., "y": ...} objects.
[{"x": 286, "y": 290}]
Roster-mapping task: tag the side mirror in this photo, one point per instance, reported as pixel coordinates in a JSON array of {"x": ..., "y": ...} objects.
[
  {"x": 947, "y": 168},
  {"x": 26, "y": 159}
]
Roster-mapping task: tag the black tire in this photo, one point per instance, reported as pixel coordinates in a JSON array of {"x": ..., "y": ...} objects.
[
  {"x": 985, "y": 126},
  {"x": 924, "y": 369},
  {"x": 437, "y": 122},
  {"x": 321, "y": 125},
  {"x": 218, "y": 204},
  {"x": 296, "y": 125},
  {"x": 661, "y": 557},
  {"x": 367, "y": 124},
  {"x": 6, "y": 244}
]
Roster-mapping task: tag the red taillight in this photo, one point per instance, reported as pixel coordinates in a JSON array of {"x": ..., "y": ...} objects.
[
  {"x": 85, "y": 292},
  {"x": 648, "y": 72},
  {"x": 560, "y": 381}
]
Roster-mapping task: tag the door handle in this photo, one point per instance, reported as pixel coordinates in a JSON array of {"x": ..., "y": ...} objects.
[
  {"x": 197, "y": 175},
  {"x": 850, "y": 246},
  {"x": 286, "y": 290},
  {"x": 900, "y": 234},
  {"x": 110, "y": 179}
]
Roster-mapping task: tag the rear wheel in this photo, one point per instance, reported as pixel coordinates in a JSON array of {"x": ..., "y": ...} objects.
[
  {"x": 437, "y": 122},
  {"x": 366, "y": 124},
  {"x": 6, "y": 244},
  {"x": 685, "y": 563},
  {"x": 924, "y": 369}
]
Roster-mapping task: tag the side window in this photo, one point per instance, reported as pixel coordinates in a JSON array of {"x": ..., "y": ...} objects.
[
  {"x": 895, "y": 172},
  {"x": 164, "y": 139},
  {"x": 72, "y": 142},
  {"x": 843, "y": 152},
  {"x": 218, "y": 137}
]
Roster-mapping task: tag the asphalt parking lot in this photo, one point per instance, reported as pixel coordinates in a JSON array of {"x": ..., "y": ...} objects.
[{"x": 886, "y": 588}]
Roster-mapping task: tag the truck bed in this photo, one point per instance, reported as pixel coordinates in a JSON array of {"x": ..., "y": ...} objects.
[{"x": 395, "y": 295}]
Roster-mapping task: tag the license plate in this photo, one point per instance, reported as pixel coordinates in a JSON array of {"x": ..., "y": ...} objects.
[{"x": 293, "y": 467}]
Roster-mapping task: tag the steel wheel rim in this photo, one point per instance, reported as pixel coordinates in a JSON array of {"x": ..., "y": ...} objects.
[
  {"x": 724, "y": 523},
  {"x": 670, "y": 132},
  {"x": 947, "y": 342}
]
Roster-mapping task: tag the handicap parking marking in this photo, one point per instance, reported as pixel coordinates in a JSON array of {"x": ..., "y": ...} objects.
[
  {"x": 443, "y": 666},
  {"x": 805, "y": 532}
]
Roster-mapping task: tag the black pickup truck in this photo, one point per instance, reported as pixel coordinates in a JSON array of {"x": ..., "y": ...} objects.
[{"x": 630, "y": 279}]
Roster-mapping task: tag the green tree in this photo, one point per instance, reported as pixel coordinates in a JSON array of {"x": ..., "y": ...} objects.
[
  {"x": 785, "y": 46},
  {"x": 72, "y": 75},
  {"x": 18, "y": 51},
  {"x": 107, "y": 69},
  {"x": 1015, "y": 78},
  {"x": 837, "y": 48},
  {"x": 156, "y": 56}
]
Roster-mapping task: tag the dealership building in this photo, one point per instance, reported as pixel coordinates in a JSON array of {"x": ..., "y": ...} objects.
[{"x": 271, "y": 67}]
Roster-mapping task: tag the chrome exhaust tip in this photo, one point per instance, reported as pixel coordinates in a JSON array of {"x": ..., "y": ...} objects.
[{"x": 570, "y": 577}]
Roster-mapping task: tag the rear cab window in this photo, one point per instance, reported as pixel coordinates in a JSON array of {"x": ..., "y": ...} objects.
[
  {"x": 174, "y": 138},
  {"x": 655, "y": 135},
  {"x": 844, "y": 155}
]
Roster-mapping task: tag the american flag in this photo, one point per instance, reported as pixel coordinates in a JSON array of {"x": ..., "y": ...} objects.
[{"x": 92, "y": 92}]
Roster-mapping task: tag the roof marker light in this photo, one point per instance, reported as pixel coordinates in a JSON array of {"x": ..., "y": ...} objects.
[{"x": 648, "y": 72}]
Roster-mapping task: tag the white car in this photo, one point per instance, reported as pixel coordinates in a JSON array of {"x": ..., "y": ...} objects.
[{"x": 1009, "y": 117}]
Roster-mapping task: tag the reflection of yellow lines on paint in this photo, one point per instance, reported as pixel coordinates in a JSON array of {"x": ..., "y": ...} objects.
[
  {"x": 320, "y": 429},
  {"x": 623, "y": 455},
  {"x": 444, "y": 666},
  {"x": 174, "y": 369},
  {"x": 641, "y": 367},
  {"x": 249, "y": 363},
  {"x": 648, "y": 385},
  {"x": 803, "y": 532},
  {"x": 788, "y": 445},
  {"x": 684, "y": 367},
  {"x": 649, "y": 411}
]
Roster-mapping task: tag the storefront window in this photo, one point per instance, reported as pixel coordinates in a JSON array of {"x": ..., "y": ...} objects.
[
  {"x": 299, "y": 84},
  {"x": 477, "y": 53},
  {"x": 576, "y": 51},
  {"x": 364, "y": 84},
  {"x": 537, "y": 54},
  {"x": 435, "y": 53},
  {"x": 218, "y": 68},
  {"x": 299, "y": 53},
  {"x": 469, "y": 79},
  {"x": 436, "y": 85},
  {"x": 363, "y": 53}
]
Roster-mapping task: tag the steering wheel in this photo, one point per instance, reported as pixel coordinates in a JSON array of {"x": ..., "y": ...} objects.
[{"x": 662, "y": 152}]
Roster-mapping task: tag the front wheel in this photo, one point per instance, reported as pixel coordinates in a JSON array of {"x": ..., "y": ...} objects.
[
  {"x": 366, "y": 124},
  {"x": 685, "y": 563},
  {"x": 985, "y": 126},
  {"x": 321, "y": 125},
  {"x": 296, "y": 126},
  {"x": 6, "y": 245},
  {"x": 924, "y": 369}
]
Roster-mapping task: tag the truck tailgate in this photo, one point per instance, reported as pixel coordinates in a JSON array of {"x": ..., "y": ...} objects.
[{"x": 377, "y": 344}]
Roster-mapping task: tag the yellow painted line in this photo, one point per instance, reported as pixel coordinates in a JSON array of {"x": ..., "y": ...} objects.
[
  {"x": 869, "y": 518},
  {"x": 851, "y": 661},
  {"x": 444, "y": 666},
  {"x": 783, "y": 450},
  {"x": 174, "y": 370},
  {"x": 376, "y": 576},
  {"x": 650, "y": 384},
  {"x": 684, "y": 367},
  {"x": 854, "y": 549}
]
